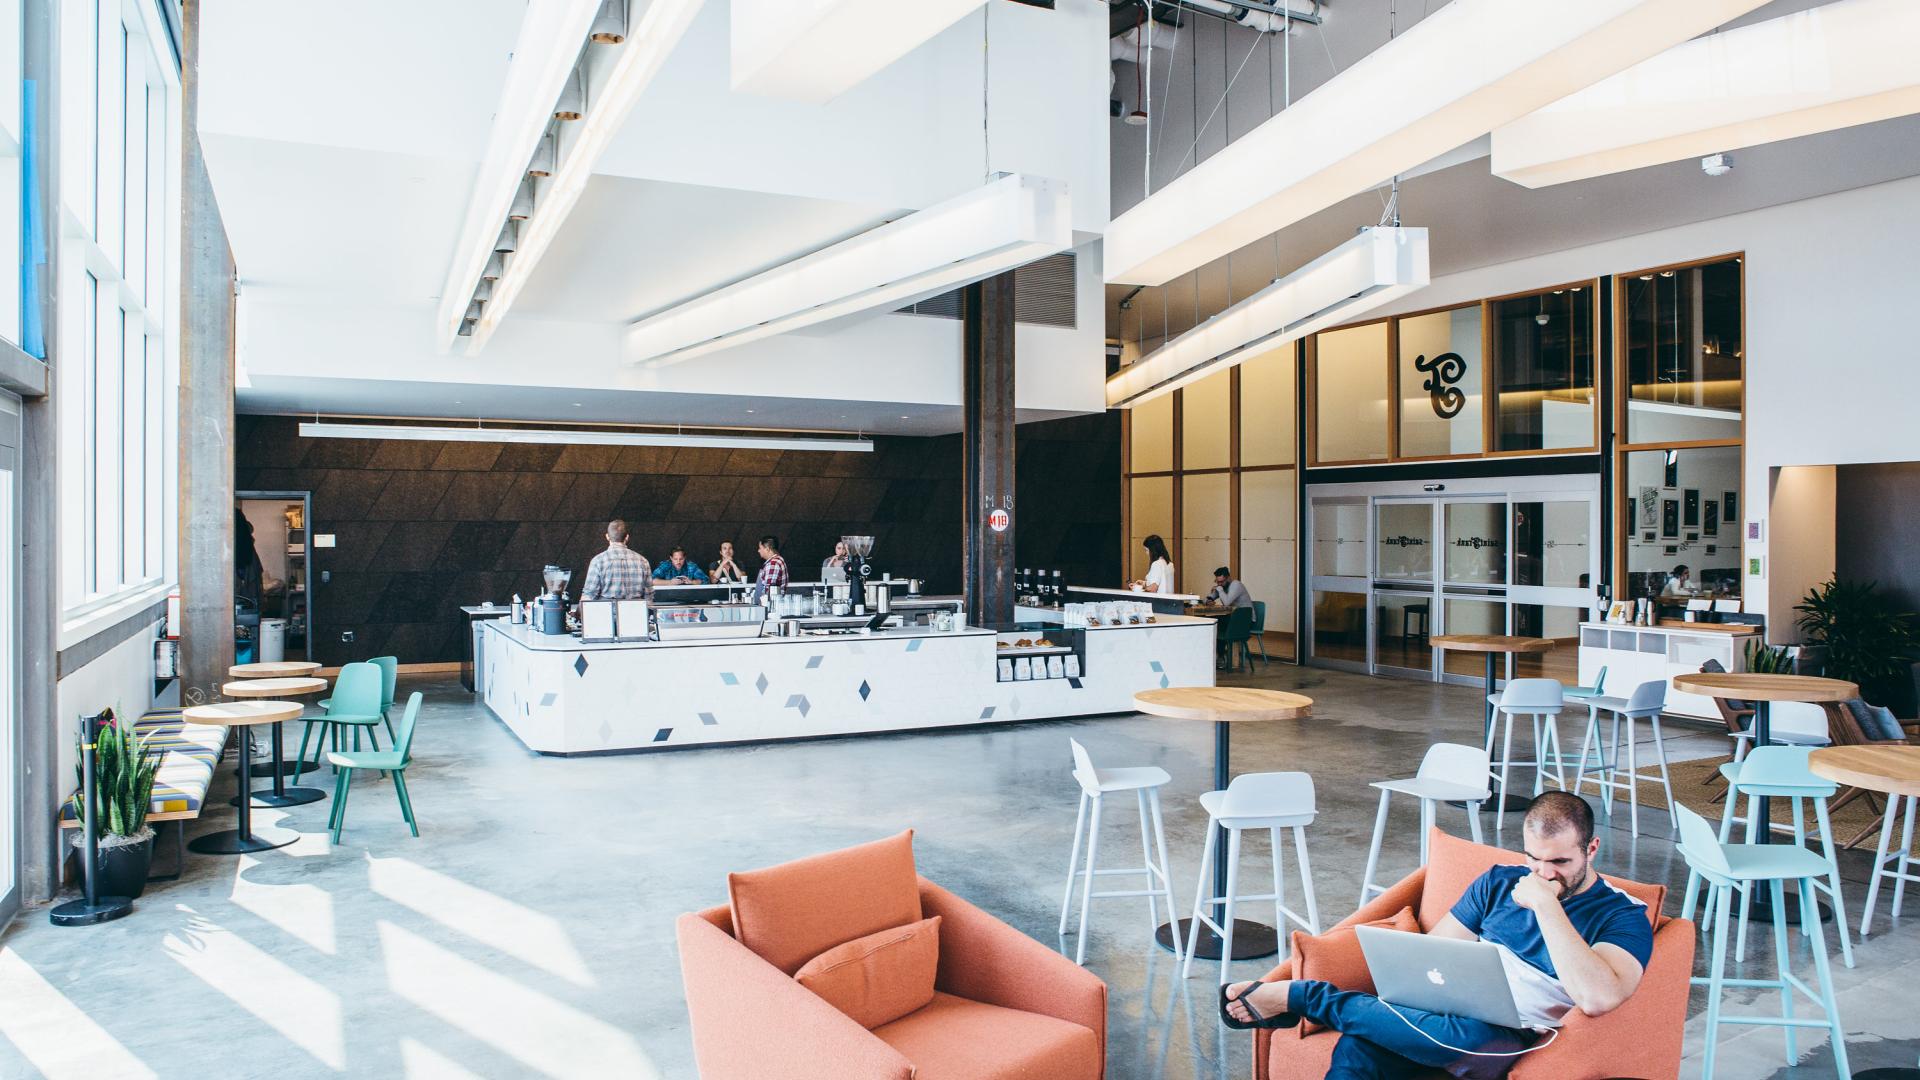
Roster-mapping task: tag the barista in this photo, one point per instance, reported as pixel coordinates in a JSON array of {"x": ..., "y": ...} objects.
[{"x": 726, "y": 571}]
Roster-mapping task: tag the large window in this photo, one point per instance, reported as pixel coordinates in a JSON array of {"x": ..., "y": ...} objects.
[
  {"x": 1544, "y": 359},
  {"x": 117, "y": 369},
  {"x": 1350, "y": 394},
  {"x": 1681, "y": 352}
]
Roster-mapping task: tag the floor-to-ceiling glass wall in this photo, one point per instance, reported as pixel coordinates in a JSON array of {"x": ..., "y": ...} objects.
[{"x": 9, "y": 660}]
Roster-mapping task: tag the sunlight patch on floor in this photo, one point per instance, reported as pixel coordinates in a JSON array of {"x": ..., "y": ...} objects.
[
  {"x": 490, "y": 919},
  {"x": 303, "y": 912},
  {"x": 53, "y": 1034},
  {"x": 302, "y": 1011},
  {"x": 418, "y": 1061}
]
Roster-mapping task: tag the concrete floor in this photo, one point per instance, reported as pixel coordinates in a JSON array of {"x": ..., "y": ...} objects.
[{"x": 529, "y": 930}]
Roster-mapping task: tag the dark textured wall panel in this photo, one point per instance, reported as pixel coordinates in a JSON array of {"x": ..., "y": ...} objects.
[{"x": 422, "y": 528}]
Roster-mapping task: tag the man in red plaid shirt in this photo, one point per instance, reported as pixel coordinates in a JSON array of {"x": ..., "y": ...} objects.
[{"x": 773, "y": 571}]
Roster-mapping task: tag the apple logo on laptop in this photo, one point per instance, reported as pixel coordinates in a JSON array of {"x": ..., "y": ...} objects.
[{"x": 1434, "y": 977}]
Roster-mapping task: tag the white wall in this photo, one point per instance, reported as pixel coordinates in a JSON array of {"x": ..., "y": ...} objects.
[
  {"x": 1833, "y": 368},
  {"x": 120, "y": 679},
  {"x": 1801, "y": 542}
]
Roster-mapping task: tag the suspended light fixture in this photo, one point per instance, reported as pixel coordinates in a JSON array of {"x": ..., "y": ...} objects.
[
  {"x": 1404, "y": 104},
  {"x": 509, "y": 238},
  {"x": 610, "y": 23},
  {"x": 1830, "y": 66},
  {"x": 474, "y": 309},
  {"x": 574, "y": 437},
  {"x": 466, "y": 328},
  {"x": 815, "y": 51},
  {"x": 484, "y": 290},
  {"x": 1374, "y": 268},
  {"x": 543, "y": 156},
  {"x": 573, "y": 97},
  {"x": 1138, "y": 117},
  {"x": 995, "y": 227},
  {"x": 522, "y": 208},
  {"x": 496, "y": 265}
]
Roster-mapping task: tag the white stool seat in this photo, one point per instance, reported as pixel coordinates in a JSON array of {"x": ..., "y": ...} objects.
[
  {"x": 1610, "y": 703},
  {"x": 1446, "y": 791},
  {"x": 1541, "y": 701},
  {"x": 1645, "y": 703},
  {"x": 1095, "y": 784},
  {"x": 1130, "y": 779},
  {"x": 1212, "y": 801},
  {"x": 1449, "y": 772}
]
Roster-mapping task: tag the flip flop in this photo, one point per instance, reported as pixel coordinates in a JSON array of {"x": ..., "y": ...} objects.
[{"x": 1284, "y": 1020}]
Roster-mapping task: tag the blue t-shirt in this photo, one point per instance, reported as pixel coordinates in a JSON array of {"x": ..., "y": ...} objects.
[
  {"x": 666, "y": 571},
  {"x": 1599, "y": 914}
]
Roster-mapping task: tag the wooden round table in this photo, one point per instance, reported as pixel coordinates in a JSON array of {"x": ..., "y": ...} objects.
[
  {"x": 243, "y": 840},
  {"x": 1223, "y": 706},
  {"x": 283, "y": 687},
  {"x": 1494, "y": 646},
  {"x": 1893, "y": 770},
  {"x": 272, "y": 669}
]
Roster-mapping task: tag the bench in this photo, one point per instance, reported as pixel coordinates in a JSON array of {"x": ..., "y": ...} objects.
[{"x": 190, "y": 752}]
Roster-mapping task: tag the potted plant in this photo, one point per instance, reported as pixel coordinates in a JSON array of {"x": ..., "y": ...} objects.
[
  {"x": 124, "y": 770},
  {"x": 1764, "y": 659},
  {"x": 1869, "y": 640}
]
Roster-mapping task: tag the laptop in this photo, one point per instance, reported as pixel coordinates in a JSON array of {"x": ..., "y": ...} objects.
[{"x": 1439, "y": 975}]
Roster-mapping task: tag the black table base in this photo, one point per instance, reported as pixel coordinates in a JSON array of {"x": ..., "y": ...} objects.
[
  {"x": 83, "y": 913},
  {"x": 235, "y": 842},
  {"x": 1251, "y": 940},
  {"x": 274, "y": 800}
]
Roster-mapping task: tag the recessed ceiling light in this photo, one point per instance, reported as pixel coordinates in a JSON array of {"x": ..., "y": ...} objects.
[
  {"x": 1666, "y": 273},
  {"x": 1646, "y": 277},
  {"x": 576, "y": 404},
  {"x": 903, "y": 418},
  {"x": 749, "y": 410}
]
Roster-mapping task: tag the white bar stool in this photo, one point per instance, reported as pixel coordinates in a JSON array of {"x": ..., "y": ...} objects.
[
  {"x": 1541, "y": 699},
  {"x": 1270, "y": 801},
  {"x": 1646, "y": 702},
  {"x": 1449, "y": 773},
  {"x": 1145, "y": 782},
  {"x": 1901, "y": 872}
]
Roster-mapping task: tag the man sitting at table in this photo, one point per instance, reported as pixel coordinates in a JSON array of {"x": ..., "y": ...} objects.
[
  {"x": 678, "y": 571},
  {"x": 1567, "y": 938},
  {"x": 1227, "y": 591}
]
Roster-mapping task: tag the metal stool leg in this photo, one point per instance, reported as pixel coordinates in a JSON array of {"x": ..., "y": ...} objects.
[
  {"x": 1073, "y": 861},
  {"x": 1373, "y": 850},
  {"x": 1166, "y": 879},
  {"x": 1086, "y": 881}
]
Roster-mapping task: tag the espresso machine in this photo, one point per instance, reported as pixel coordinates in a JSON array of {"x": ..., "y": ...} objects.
[
  {"x": 858, "y": 568},
  {"x": 550, "y": 610}
]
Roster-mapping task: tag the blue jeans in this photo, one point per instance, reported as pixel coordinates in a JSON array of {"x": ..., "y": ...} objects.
[{"x": 1375, "y": 1044}]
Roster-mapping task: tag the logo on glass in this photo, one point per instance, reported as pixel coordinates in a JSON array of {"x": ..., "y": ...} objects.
[{"x": 1443, "y": 371}]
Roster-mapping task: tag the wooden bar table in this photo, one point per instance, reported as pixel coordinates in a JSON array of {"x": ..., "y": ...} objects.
[
  {"x": 243, "y": 840},
  {"x": 1762, "y": 690},
  {"x": 1494, "y": 646},
  {"x": 1894, "y": 771},
  {"x": 1223, "y": 706},
  {"x": 274, "y": 669},
  {"x": 295, "y": 686}
]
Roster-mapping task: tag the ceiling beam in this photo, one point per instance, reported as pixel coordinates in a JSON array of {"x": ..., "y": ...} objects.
[{"x": 813, "y": 51}]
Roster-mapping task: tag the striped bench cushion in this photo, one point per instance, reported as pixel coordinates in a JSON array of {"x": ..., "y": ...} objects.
[{"x": 189, "y": 753}]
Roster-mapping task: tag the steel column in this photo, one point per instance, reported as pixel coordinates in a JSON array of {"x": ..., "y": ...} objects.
[{"x": 988, "y": 441}]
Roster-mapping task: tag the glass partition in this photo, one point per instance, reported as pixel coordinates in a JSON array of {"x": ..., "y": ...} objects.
[
  {"x": 1404, "y": 544},
  {"x": 1683, "y": 506},
  {"x": 1440, "y": 384},
  {"x": 1544, "y": 350},
  {"x": 1267, "y": 409},
  {"x": 1350, "y": 394},
  {"x": 1206, "y": 524},
  {"x": 1269, "y": 530},
  {"x": 1206, "y": 428},
  {"x": 1682, "y": 352},
  {"x": 1152, "y": 442},
  {"x": 1151, "y": 498}
]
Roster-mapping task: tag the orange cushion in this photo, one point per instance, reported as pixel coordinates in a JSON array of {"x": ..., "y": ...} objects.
[
  {"x": 1453, "y": 863},
  {"x": 1335, "y": 957},
  {"x": 791, "y": 913},
  {"x": 881, "y": 977},
  {"x": 957, "y": 1039}
]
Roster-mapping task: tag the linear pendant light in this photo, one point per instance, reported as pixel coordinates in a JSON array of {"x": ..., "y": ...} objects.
[
  {"x": 1834, "y": 66},
  {"x": 576, "y": 437},
  {"x": 1378, "y": 266},
  {"x": 1460, "y": 72},
  {"x": 813, "y": 51},
  {"x": 1004, "y": 223}
]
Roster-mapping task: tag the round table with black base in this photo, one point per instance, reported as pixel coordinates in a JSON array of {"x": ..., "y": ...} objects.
[
  {"x": 1762, "y": 690},
  {"x": 1494, "y": 646},
  {"x": 243, "y": 840},
  {"x": 281, "y": 795},
  {"x": 276, "y": 669},
  {"x": 1224, "y": 706}
]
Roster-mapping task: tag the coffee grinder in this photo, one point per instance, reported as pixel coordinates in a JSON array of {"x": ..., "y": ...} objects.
[
  {"x": 550, "y": 610},
  {"x": 858, "y": 569}
]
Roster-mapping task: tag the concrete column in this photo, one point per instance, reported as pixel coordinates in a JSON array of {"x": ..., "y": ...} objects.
[
  {"x": 988, "y": 401},
  {"x": 206, "y": 404}
]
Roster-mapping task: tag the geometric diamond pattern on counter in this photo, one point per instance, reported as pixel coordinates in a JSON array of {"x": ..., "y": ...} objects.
[
  {"x": 986, "y": 713},
  {"x": 814, "y": 662},
  {"x": 606, "y": 732},
  {"x": 707, "y": 718},
  {"x": 548, "y": 699},
  {"x": 913, "y": 644},
  {"x": 799, "y": 701},
  {"x": 580, "y": 665},
  {"x": 864, "y": 689},
  {"x": 729, "y": 678},
  {"x": 1155, "y": 664},
  {"x": 1165, "y": 682},
  {"x": 661, "y": 735},
  {"x": 760, "y": 683},
  {"x": 1073, "y": 682}
]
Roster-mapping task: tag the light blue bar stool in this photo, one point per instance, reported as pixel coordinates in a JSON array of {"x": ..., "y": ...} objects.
[
  {"x": 1599, "y": 687},
  {"x": 1729, "y": 870},
  {"x": 1781, "y": 772},
  {"x": 1646, "y": 702},
  {"x": 1542, "y": 700}
]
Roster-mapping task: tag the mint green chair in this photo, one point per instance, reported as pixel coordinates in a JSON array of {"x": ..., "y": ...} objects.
[
  {"x": 355, "y": 704},
  {"x": 1598, "y": 688},
  {"x": 389, "y": 677},
  {"x": 1729, "y": 870},
  {"x": 1258, "y": 635},
  {"x": 392, "y": 762}
]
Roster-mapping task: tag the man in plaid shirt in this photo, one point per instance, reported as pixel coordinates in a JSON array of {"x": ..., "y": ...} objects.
[
  {"x": 618, "y": 573},
  {"x": 773, "y": 571}
]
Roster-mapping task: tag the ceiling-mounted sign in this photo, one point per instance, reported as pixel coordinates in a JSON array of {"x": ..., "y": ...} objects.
[{"x": 999, "y": 521}]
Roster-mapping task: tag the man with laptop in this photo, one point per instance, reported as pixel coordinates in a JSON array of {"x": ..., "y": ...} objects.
[{"x": 1524, "y": 946}]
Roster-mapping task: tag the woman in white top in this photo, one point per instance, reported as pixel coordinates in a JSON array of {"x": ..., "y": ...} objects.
[{"x": 1159, "y": 577}]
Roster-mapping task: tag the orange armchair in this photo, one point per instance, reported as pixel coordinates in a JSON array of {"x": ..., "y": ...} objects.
[
  {"x": 1004, "y": 1005},
  {"x": 1639, "y": 1039}
]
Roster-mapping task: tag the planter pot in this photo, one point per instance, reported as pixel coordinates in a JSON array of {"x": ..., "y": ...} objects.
[{"x": 123, "y": 866}]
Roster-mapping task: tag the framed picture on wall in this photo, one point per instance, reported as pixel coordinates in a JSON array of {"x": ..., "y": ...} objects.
[
  {"x": 1691, "y": 537},
  {"x": 1670, "y": 519},
  {"x": 1730, "y": 505},
  {"x": 1672, "y": 549},
  {"x": 1648, "y": 538},
  {"x": 1713, "y": 549},
  {"x": 1649, "y": 503},
  {"x": 1710, "y": 518},
  {"x": 1673, "y": 469},
  {"x": 1691, "y": 518}
]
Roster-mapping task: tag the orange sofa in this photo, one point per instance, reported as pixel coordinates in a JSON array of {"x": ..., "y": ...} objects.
[
  {"x": 1639, "y": 1039},
  {"x": 1005, "y": 1007}
]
